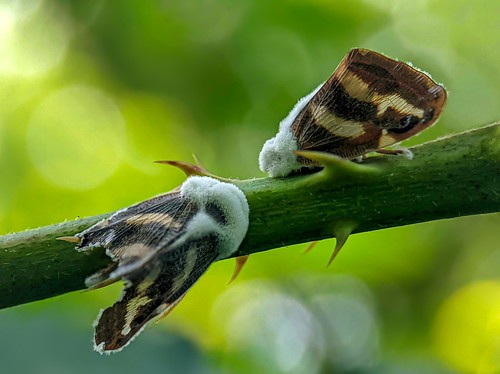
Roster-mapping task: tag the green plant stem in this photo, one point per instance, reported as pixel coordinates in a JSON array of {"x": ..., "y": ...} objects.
[{"x": 450, "y": 177}]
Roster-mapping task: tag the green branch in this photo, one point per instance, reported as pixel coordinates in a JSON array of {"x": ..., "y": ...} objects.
[{"x": 450, "y": 177}]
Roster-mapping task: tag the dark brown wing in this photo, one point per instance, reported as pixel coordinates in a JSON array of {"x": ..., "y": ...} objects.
[
  {"x": 131, "y": 236},
  {"x": 154, "y": 289},
  {"x": 160, "y": 255},
  {"x": 369, "y": 102}
]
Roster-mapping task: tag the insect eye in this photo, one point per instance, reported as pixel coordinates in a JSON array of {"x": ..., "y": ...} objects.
[{"x": 406, "y": 124}]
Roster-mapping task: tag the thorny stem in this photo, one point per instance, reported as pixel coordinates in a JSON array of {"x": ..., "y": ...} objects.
[{"x": 449, "y": 177}]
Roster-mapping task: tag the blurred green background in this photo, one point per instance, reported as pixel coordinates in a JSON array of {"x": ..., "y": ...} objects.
[{"x": 93, "y": 91}]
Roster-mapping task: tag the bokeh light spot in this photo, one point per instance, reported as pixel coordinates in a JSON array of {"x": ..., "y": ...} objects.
[
  {"x": 76, "y": 137},
  {"x": 345, "y": 305},
  {"x": 467, "y": 328},
  {"x": 33, "y": 39},
  {"x": 271, "y": 326}
]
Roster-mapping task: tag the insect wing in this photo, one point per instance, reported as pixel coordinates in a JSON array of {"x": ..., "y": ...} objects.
[
  {"x": 157, "y": 256},
  {"x": 133, "y": 235},
  {"x": 154, "y": 289},
  {"x": 369, "y": 102}
]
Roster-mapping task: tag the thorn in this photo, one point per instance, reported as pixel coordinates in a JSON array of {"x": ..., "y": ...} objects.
[
  {"x": 338, "y": 246},
  {"x": 318, "y": 157},
  {"x": 170, "y": 308},
  {"x": 188, "y": 168},
  {"x": 70, "y": 239},
  {"x": 310, "y": 246},
  {"x": 198, "y": 162},
  {"x": 240, "y": 262},
  {"x": 342, "y": 231},
  {"x": 336, "y": 164}
]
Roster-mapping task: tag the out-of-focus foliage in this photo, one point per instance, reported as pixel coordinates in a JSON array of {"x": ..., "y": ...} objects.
[{"x": 93, "y": 91}]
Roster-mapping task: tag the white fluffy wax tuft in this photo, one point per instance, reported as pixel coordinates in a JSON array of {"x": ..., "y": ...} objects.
[
  {"x": 233, "y": 204},
  {"x": 276, "y": 157}
]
